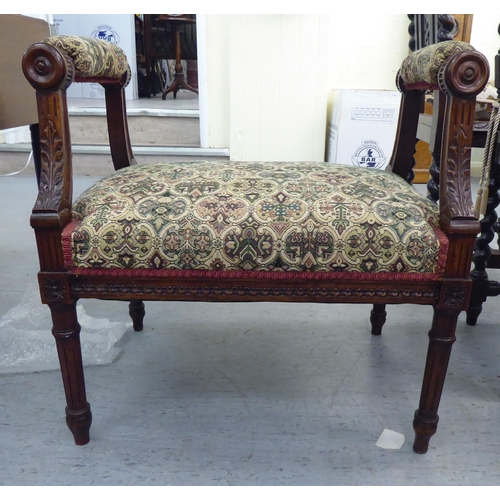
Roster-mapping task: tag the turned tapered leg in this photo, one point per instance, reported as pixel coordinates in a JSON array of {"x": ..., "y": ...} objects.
[
  {"x": 137, "y": 312},
  {"x": 441, "y": 339},
  {"x": 66, "y": 331},
  {"x": 377, "y": 318}
]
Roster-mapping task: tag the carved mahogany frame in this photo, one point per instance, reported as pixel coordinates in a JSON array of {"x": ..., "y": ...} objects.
[{"x": 50, "y": 72}]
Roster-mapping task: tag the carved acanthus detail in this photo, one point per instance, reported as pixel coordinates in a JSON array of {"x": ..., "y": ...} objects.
[
  {"x": 51, "y": 176},
  {"x": 458, "y": 166},
  {"x": 459, "y": 177}
]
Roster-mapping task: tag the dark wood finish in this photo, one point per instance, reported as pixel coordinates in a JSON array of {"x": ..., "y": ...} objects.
[
  {"x": 378, "y": 316},
  {"x": 50, "y": 72},
  {"x": 168, "y": 36},
  {"x": 119, "y": 138},
  {"x": 35, "y": 146},
  {"x": 425, "y": 29},
  {"x": 192, "y": 73},
  {"x": 441, "y": 339},
  {"x": 137, "y": 312},
  {"x": 66, "y": 331},
  {"x": 463, "y": 27},
  {"x": 178, "y": 81},
  {"x": 402, "y": 160},
  {"x": 435, "y": 149},
  {"x": 484, "y": 256},
  {"x": 423, "y": 157},
  {"x": 151, "y": 53}
]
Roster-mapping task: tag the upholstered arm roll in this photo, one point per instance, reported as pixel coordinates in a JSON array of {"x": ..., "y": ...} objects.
[
  {"x": 422, "y": 66},
  {"x": 93, "y": 59}
]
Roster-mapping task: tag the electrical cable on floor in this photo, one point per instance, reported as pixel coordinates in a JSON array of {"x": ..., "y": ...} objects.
[{"x": 19, "y": 171}]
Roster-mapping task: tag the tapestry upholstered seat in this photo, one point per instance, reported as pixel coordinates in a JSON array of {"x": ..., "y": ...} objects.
[
  {"x": 254, "y": 231},
  {"x": 268, "y": 217}
]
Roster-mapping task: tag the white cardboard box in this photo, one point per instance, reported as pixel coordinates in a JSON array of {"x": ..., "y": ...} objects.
[{"x": 362, "y": 127}]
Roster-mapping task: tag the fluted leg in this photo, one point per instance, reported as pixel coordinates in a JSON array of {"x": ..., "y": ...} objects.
[
  {"x": 66, "y": 331},
  {"x": 441, "y": 339},
  {"x": 377, "y": 318},
  {"x": 137, "y": 312}
]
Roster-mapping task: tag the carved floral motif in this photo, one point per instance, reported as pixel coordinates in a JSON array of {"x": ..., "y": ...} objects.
[
  {"x": 53, "y": 289},
  {"x": 51, "y": 175},
  {"x": 455, "y": 295},
  {"x": 458, "y": 164}
]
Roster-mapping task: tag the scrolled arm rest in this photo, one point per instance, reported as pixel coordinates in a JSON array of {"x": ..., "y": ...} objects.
[
  {"x": 425, "y": 68},
  {"x": 93, "y": 59}
]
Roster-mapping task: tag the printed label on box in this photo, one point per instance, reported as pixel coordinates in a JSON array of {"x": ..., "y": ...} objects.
[
  {"x": 372, "y": 114},
  {"x": 362, "y": 127},
  {"x": 106, "y": 33},
  {"x": 370, "y": 155}
]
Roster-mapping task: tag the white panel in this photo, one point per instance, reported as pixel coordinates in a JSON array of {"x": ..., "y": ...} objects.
[
  {"x": 367, "y": 58},
  {"x": 235, "y": 90},
  {"x": 484, "y": 36},
  {"x": 313, "y": 99},
  {"x": 201, "y": 42},
  {"x": 17, "y": 135},
  {"x": 217, "y": 75},
  {"x": 278, "y": 87},
  {"x": 274, "y": 84},
  {"x": 251, "y": 77},
  {"x": 268, "y": 59},
  {"x": 291, "y": 74}
]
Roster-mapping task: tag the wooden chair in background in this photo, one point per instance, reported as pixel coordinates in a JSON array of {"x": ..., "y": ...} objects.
[{"x": 166, "y": 37}]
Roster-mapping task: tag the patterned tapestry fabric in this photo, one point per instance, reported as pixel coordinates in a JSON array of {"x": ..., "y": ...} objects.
[
  {"x": 245, "y": 216},
  {"x": 484, "y": 103},
  {"x": 92, "y": 58},
  {"x": 423, "y": 65}
]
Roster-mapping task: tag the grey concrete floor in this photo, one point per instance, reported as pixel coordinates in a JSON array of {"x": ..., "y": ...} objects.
[{"x": 247, "y": 394}]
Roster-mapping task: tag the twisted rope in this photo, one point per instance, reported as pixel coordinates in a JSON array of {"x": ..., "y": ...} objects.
[{"x": 483, "y": 191}]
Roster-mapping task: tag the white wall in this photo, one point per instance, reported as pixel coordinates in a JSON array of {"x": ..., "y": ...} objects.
[
  {"x": 278, "y": 69},
  {"x": 266, "y": 85},
  {"x": 367, "y": 59},
  {"x": 484, "y": 36},
  {"x": 269, "y": 75},
  {"x": 216, "y": 30}
]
